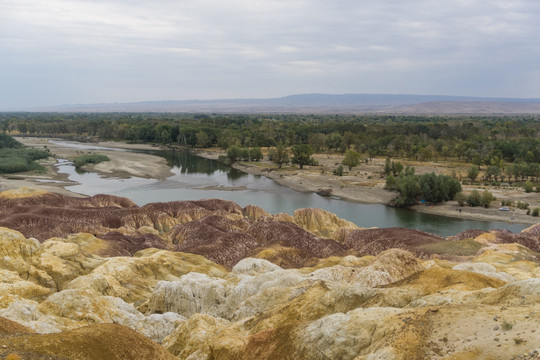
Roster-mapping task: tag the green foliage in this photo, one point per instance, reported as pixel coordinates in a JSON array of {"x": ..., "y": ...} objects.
[
  {"x": 391, "y": 183},
  {"x": 506, "y": 203},
  {"x": 256, "y": 153},
  {"x": 473, "y": 172},
  {"x": 408, "y": 187},
  {"x": 460, "y": 198},
  {"x": 89, "y": 159},
  {"x": 7, "y": 141},
  {"x": 234, "y": 153},
  {"x": 528, "y": 186},
  {"x": 486, "y": 199},
  {"x": 387, "y": 167},
  {"x": 279, "y": 155},
  {"x": 474, "y": 199},
  {"x": 535, "y": 212},
  {"x": 14, "y": 160},
  {"x": 352, "y": 159},
  {"x": 522, "y": 205},
  {"x": 397, "y": 168},
  {"x": 339, "y": 171},
  {"x": 301, "y": 155},
  {"x": 438, "y": 188}
]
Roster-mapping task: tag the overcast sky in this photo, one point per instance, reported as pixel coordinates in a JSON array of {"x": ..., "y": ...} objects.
[{"x": 68, "y": 51}]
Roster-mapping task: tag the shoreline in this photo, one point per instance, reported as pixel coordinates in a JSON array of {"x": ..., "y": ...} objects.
[
  {"x": 122, "y": 164},
  {"x": 352, "y": 189},
  {"x": 361, "y": 185}
]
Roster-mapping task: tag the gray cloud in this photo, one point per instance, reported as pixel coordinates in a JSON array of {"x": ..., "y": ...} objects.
[{"x": 69, "y": 51}]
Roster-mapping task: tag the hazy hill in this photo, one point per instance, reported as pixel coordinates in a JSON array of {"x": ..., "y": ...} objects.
[{"x": 324, "y": 103}]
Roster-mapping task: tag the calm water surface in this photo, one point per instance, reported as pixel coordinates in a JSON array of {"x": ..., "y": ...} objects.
[{"x": 192, "y": 174}]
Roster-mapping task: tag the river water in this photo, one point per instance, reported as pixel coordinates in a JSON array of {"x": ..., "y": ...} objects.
[{"x": 197, "y": 178}]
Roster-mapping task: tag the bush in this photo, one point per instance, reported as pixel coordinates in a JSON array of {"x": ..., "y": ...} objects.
[
  {"x": 460, "y": 198},
  {"x": 89, "y": 159},
  {"x": 535, "y": 212},
  {"x": 234, "y": 153},
  {"x": 256, "y": 153},
  {"x": 528, "y": 186},
  {"x": 486, "y": 198},
  {"x": 339, "y": 171},
  {"x": 474, "y": 198},
  {"x": 522, "y": 205},
  {"x": 19, "y": 160},
  {"x": 506, "y": 202}
]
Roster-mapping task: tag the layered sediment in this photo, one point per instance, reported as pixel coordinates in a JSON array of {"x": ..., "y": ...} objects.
[{"x": 103, "y": 278}]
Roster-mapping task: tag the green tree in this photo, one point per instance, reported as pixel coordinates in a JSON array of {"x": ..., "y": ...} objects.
[
  {"x": 473, "y": 172},
  {"x": 352, "y": 159},
  {"x": 397, "y": 168},
  {"x": 256, "y": 154},
  {"x": 203, "y": 140},
  {"x": 301, "y": 155},
  {"x": 387, "y": 167},
  {"x": 486, "y": 199},
  {"x": 528, "y": 186},
  {"x": 279, "y": 155},
  {"x": 474, "y": 198},
  {"x": 460, "y": 198},
  {"x": 493, "y": 172},
  {"x": 234, "y": 153}
]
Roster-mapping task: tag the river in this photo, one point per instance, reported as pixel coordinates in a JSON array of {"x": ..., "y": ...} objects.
[{"x": 197, "y": 178}]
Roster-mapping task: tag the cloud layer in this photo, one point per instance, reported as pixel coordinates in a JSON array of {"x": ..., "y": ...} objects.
[{"x": 70, "y": 51}]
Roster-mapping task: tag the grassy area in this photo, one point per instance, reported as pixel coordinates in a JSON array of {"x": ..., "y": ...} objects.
[
  {"x": 465, "y": 247},
  {"x": 89, "y": 159},
  {"x": 20, "y": 160}
]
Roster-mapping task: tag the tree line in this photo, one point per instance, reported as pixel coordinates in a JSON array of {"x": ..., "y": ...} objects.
[{"x": 483, "y": 141}]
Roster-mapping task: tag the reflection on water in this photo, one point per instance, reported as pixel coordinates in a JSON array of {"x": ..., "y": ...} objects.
[{"x": 191, "y": 173}]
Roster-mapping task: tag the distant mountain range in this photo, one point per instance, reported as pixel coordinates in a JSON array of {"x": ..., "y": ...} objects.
[{"x": 324, "y": 103}]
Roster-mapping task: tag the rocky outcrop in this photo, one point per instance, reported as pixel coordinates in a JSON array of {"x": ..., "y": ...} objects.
[
  {"x": 210, "y": 280},
  {"x": 374, "y": 241},
  {"x": 100, "y": 341},
  {"x": 321, "y": 222}
]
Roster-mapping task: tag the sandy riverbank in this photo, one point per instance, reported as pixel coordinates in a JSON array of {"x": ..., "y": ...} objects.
[
  {"x": 123, "y": 164},
  {"x": 365, "y": 184}
]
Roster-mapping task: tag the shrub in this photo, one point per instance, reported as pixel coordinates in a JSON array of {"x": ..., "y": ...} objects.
[
  {"x": 528, "y": 186},
  {"x": 89, "y": 159},
  {"x": 460, "y": 198},
  {"x": 506, "y": 202},
  {"x": 474, "y": 198},
  {"x": 522, "y": 205},
  {"x": 339, "y": 171},
  {"x": 535, "y": 212},
  {"x": 486, "y": 198}
]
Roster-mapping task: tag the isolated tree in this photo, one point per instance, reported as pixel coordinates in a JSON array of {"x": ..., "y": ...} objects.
[
  {"x": 352, "y": 159},
  {"x": 279, "y": 155},
  {"x": 486, "y": 198},
  {"x": 473, "y": 172},
  {"x": 301, "y": 155},
  {"x": 460, "y": 198}
]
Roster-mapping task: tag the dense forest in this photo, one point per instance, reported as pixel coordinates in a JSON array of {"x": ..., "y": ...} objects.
[{"x": 488, "y": 141}]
